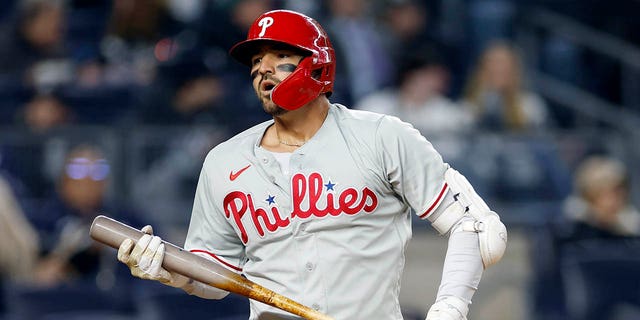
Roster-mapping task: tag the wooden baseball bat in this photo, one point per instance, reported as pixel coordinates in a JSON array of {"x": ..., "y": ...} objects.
[{"x": 176, "y": 259}]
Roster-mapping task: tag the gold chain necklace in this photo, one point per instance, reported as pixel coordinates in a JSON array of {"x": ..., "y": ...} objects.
[
  {"x": 291, "y": 144},
  {"x": 299, "y": 144}
]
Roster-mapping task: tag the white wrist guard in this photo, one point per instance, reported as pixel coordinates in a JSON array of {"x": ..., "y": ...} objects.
[
  {"x": 448, "y": 308},
  {"x": 492, "y": 233}
]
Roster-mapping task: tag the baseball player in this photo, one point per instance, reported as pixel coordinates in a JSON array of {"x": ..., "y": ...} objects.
[{"x": 316, "y": 204}]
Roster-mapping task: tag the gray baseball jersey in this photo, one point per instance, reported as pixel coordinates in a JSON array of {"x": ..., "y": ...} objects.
[{"x": 332, "y": 233}]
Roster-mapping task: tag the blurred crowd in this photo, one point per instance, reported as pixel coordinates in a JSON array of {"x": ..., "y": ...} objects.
[{"x": 109, "y": 106}]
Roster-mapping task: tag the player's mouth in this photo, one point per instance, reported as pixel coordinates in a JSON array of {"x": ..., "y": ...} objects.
[{"x": 267, "y": 85}]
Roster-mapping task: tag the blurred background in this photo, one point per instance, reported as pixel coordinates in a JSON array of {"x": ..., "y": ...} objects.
[{"x": 109, "y": 107}]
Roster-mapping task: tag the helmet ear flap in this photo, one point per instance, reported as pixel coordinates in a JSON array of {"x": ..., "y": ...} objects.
[{"x": 299, "y": 88}]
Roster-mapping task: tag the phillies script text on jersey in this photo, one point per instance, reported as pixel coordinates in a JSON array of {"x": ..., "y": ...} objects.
[{"x": 350, "y": 201}]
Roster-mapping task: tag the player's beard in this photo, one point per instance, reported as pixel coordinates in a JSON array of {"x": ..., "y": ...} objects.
[
  {"x": 267, "y": 104},
  {"x": 270, "y": 107}
]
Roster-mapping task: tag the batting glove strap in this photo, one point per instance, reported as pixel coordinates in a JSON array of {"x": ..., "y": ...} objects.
[{"x": 448, "y": 308}]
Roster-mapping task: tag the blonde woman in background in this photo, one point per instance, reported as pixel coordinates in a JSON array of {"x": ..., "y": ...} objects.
[
  {"x": 602, "y": 199},
  {"x": 496, "y": 95},
  {"x": 589, "y": 249}
]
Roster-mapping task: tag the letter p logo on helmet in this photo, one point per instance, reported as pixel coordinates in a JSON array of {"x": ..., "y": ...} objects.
[{"x": 265, "y": 23}]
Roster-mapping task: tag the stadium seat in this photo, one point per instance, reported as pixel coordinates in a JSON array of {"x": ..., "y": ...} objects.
[
  {"x": 30, "y": 303},
  {"x": 600, "y": 277},
  {"x": 166, "y": 303},
  {"x": 88, "y": 315}
]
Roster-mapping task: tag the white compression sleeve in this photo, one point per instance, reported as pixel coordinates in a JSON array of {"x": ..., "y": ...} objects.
[{"x": 462, "y": 268}]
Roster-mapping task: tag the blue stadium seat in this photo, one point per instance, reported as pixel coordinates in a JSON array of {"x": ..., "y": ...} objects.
[
  {"x": 13, "y": 95},
  {"x": 30, "y": 303},
  {"x": 166, "y": 303},
  {"x": 99, "y": 105},
  {"x": 600, "y": 276},
  {"x": 88, "y": 315}
]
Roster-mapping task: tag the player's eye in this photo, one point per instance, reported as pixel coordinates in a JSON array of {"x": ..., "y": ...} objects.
[
  {"x": 256, "y": 60},
  {"x": 283, "y": 55}
]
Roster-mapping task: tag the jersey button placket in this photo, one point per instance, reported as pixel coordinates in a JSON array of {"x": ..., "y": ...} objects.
[{"x": 309, "y": 266}]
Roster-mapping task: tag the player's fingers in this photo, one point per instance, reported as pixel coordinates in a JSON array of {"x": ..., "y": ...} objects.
[
  {"x": 165, "y": 277},
  {"x": 156, "y": 263},
  {"x": 147, "y": 255},
  {"x": 140, "y": 247},
  {"x": 125, "y": 250},
  {"x": 148, "y": 229}
]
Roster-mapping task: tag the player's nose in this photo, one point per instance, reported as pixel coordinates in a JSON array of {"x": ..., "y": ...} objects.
[{"x": 267, "y": 64}]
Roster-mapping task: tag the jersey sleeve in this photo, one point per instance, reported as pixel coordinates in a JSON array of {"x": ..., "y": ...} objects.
[
  {"x": 412, "y": 165},
  {"x": 210, "y": 234}
]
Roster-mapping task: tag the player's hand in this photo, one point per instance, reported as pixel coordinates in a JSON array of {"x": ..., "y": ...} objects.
[
  {"x": 448, "y": 308},
  {"x": 145, "y": 257}
]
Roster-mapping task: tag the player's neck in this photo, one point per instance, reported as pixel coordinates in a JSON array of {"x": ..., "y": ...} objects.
[
  {"x": 294, "y": 128},
  {"x": 303, "y": 123}
]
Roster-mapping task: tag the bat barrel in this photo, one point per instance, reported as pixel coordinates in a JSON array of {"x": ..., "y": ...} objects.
[{"x": 176, "y": 259}]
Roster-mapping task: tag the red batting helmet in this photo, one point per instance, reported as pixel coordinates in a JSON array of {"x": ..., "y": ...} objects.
[{"x": 314, "y": 74}]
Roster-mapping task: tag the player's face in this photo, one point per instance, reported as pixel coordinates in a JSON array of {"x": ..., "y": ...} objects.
[{"x": 269, "y": 67}]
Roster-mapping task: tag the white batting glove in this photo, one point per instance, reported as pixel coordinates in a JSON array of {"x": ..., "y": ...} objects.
[
  {"x": 145, "y": 257},
  {"x": 448, "y": 308}
]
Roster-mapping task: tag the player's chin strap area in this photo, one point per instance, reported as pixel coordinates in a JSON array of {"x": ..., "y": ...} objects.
[{"x": 492, "y": 233}]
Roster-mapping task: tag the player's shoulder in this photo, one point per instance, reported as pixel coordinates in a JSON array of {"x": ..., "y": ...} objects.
[
  {"x": 356, "y": 116},
  {"x": 364, "y": 120}
]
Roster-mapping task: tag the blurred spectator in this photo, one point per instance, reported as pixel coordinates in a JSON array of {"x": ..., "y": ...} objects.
[
  {"x": 24, "y": 161},
  {"x": 410, "y": 26},
  {"x": 579, "y": 258},
  {"x": 367, "y": 64},
  {"x": 495, "y": 92},
  {"x": 45, "y": 112},
  {"x": 419, "y": 96},
  {"x": 33, "y": 50},
  {"x": 224, "y": 23},
  {"x": 186, "y": 11},
  {"x": 311, "y": 8},
  {"x": 35, "y": 127},
  {"x": 185, "y": 91},
  {"x": 63, "y": 223},
  {"x": 18, "y": 239},
  {"x": 135, "y": 40},
  {"x": 489, "y": 20},
  {"x": 142, "y": 21},
  {"x": 18, "y": 243},
  {"x": 601, "y": 207},
  {"x": 86, "y": 26}
]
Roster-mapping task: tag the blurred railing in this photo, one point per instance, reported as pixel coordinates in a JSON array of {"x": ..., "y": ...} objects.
[
  {"x": 156, "y": 168},
  {"x": 542, "y": 27}
]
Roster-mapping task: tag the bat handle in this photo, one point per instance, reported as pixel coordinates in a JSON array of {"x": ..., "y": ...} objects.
[{"x": 176, "y": 259}]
